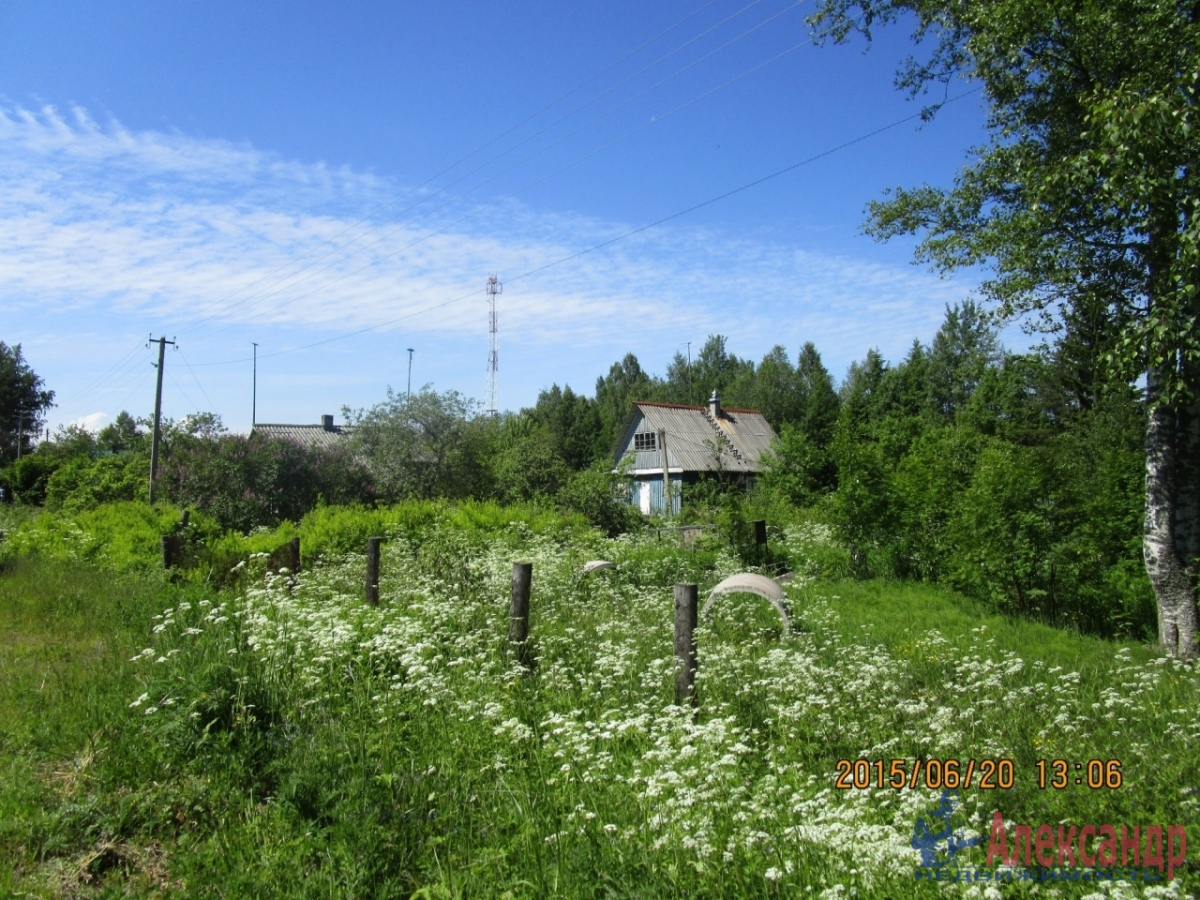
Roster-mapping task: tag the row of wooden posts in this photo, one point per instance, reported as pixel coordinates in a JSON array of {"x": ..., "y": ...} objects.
[
  {"x": 686, "y": 598},
  {"x": 686, "y": 605}
]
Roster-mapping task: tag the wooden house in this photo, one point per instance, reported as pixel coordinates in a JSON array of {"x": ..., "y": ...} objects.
[{"x": 673, "y": 444}]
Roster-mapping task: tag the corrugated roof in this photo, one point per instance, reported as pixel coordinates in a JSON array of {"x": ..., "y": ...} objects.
[
  {"x": 313, "y": 437},
  {"x": 692, "y": 433}
]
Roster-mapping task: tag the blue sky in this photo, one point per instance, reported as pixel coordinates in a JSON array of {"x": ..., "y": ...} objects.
[{"x": 291, "y": 173}]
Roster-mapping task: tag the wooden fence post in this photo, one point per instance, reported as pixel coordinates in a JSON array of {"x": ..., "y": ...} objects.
[
  {"x": 172, "y": 546},
  {"x": 518, "y": 614},
  {"x": 373, "y": 570},
  {"x": 685, "y": 643}
]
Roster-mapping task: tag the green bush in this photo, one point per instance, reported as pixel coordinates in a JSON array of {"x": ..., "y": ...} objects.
[
  {"x": 598, "y": 495},
  {"x": 26, "y": 478},
  {"x": 529, "y": 468},
  {"x": 245, "y": 483},
  {"x": 83, "y": 483},
  {"x": 119, "y": 537}
]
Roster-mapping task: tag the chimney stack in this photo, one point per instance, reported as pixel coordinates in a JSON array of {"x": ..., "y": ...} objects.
[
  {"x": 714, "y": 405},
  {"x": 327, "y": 423}
]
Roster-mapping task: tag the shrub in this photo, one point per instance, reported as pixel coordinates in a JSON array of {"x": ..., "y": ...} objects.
[
  {"x": 83, "y": 483},
  {"x": 244, "y": 482},
  {"x": 599, "y": 496},
  {"x": 120, "y": 537},
  {"x": 530, "y": 468},
  {"x": 26, "y": 479}
]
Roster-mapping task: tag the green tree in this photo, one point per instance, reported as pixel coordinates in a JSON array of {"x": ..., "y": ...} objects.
[
  {"x": 1087, "y": 192},
  {"x": 715, "y": 369},
  {"x": 425, "y": 445},
  {"x": 615, "y": 392},
  {"x": 529, "y": 467},
  {"x": 962, "y": 351},
  {"x": 821, "y": 403},
  {"x": 573, "y": 422},
  {"x": 23, "y": 400},
  {"x": 601, "y": 496},
  {"x": 794, "y": 467},
  {"x": 775, "y": 390},
  {"x": 121, "y": 435}
]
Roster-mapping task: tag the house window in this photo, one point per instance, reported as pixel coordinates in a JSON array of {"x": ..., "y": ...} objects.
[{"x": 645, "y": 441}]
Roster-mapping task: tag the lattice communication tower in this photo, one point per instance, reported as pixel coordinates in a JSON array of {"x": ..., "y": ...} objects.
[{"x": 491, "y": 387}]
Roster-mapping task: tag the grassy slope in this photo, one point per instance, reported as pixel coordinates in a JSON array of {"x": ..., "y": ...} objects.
[
  {"x": 892, "y": 613},
  {"x": 86, "y": 806}
]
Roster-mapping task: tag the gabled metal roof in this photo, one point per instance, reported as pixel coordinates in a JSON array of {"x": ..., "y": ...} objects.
[
  {"x": 312, "y": 437},
  {"x": 692, "y": 437}
]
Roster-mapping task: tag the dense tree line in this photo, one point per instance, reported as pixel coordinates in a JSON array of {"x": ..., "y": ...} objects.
[
  {"x": 1016, "y": 478},
  {"x": 1083, "y": 205},
  {"x": 23, "y": 402}
]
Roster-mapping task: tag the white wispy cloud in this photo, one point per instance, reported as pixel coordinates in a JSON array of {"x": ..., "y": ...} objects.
[{"x": 203, "y": 237}]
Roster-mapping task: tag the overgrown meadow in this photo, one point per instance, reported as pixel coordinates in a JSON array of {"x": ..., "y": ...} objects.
[{"x": 284, "y": 739}]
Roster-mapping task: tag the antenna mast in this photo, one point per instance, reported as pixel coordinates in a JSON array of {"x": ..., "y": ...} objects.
[{"x": 491, "y": 387}]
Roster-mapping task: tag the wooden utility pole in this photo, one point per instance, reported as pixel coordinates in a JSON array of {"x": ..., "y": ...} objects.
[
  {"x": 254, "y": 389},
  {"x": 162, "y": 350},
  {"x": 668, "y": 510}
]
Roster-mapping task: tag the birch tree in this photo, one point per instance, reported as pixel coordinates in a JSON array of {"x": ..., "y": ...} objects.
[{"x": 1085, "y": 194}]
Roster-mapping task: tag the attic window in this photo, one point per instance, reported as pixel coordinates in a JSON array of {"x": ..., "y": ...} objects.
[{"x": 645, "y": 441}]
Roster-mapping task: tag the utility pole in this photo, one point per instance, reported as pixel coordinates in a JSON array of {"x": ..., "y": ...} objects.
[
  {"x": 162, "y": 349},
  {"x": 37, "y": 428},
  {"x": 408, "y": 394},
  {"x": 494, "y": 289},
  {"x": 254, "y": 390}
]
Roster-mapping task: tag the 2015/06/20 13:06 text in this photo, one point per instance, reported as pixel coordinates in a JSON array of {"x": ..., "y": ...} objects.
[{"x": 860, "y": 774}]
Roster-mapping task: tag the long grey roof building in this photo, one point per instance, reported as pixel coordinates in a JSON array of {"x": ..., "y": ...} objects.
[{"x": 325, "y": 436}]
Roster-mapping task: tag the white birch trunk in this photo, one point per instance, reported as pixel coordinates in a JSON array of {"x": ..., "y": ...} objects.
[{"x": 1171, "y": 520}]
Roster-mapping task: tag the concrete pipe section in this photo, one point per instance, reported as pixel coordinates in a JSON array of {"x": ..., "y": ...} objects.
[{"x": 752, "y": 583}]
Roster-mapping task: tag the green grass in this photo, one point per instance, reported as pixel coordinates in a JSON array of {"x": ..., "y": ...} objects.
[
  {"x": 895, "y": 613},
  {"x": 344, "y": 751},
  {"x": 67, "y": 631}
]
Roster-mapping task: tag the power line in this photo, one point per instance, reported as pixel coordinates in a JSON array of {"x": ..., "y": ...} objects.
[
  {"x": 558, "y": 262},
  {"x": 136, "y": 386},
  {"x": 186, "y": 396},
  {"x": 745, "y": 187},
  {"x": 127, "y": 376},
  {"x": 114, "y": 371},
  {"x": 212, "y": 406},
  {"x": 348, "y": 256}
]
